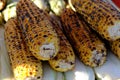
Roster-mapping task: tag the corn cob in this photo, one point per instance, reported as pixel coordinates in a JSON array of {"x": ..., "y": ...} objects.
[
  {"x": 89, "y": 47},
  {"x": 65, "y": 59},
  {"x": 37, "y": 30},
  {"x": 25, "y": 66},
  {"x": 115, "y": 47},
  {"x": 101, "y": 15}
]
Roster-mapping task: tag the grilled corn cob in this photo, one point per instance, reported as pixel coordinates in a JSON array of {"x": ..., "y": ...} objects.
[
  {"x": 65, "y": 59},
  {"x": 25, "y": 66},
  {"x": 101, "y": 15},
  {"x": 37, "y": 30},
  {"x": 115, "y": 47},
  {"x": 89, "y": 47}
]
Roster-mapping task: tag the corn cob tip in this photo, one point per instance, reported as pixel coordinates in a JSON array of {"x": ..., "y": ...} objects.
[
  {"x": 94, "y": 56},
  {"x": 114, "y": 31},
  {"x": 98, "y": 57},
  {"x": 62, "y": 65},
  {"x": 47, "y": 50}
]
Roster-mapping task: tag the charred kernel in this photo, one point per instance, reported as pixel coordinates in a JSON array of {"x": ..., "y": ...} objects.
[
  {"x": 57, "y": 67},
  {"x": 111, "y": 23},
  {"x": 38, "y": 77},
  {"x": 71, "y": 63},
  {"x": 45, "y": 36},
  {"x": 102, "y": 50},
  {"x": 30, "y": 39},
  {"x": 94, "y": 48},
  {"x": 36, "y": 36},
  {"x": 18, "y": 47},
  {"x": 30, "y": 73},
  {"x": 55, "y": 58}
]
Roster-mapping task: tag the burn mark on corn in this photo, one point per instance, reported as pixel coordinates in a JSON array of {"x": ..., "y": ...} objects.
[
  {"x": 69, "y": 28},
  {"x": 56, "y": 58},
  {"x": 71, "y": 63},
  {"x": 57, "y": 67},
  {"x": 51, "y": 56},
  {"x": 30, "y": 38},
  {"x": 36, "y": 36},
  {"x": 38, "y": 77},
  {"x": 45, "y": 36},
  {"x": 39, "y": 43},
  {"x": 22, "y": 17}
]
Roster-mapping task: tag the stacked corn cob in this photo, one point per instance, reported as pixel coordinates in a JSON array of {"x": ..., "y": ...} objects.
[
  {"x": 37, "y": 30},
  {"x": 102, "y": 16},
  {"x": 90, "y": 48},
  {"x": 65, "y": 59},
  {"x": 33, "y": 34},
  {"x": 105, "y": 19},
  {"x": 24, "y": 65}
]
